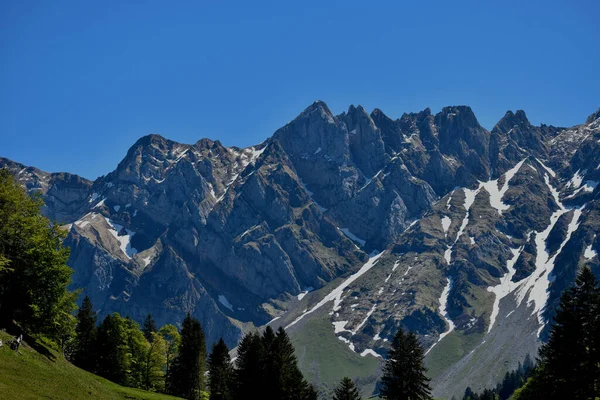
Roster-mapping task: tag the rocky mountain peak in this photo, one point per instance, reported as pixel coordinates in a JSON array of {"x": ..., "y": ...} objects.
[
  {"x": 462, "y": 116},
  {"x": 318, "y": 110},
  {"x": 593, "y": 117}
]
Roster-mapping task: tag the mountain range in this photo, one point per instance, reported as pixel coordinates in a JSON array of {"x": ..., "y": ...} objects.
[{"x": 343, "y": 228}]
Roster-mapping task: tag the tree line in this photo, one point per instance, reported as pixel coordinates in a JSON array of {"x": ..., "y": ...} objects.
[{"x": 265, "y": 366}]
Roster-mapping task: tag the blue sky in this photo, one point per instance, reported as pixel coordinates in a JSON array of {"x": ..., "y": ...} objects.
[{"x": 81, "y": 81}]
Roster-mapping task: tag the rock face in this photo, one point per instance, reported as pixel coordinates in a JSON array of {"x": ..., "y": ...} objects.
[{"x": 480, "y": 230}]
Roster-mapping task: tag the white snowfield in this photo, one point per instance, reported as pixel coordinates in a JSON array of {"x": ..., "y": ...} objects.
[
  {"x": 124, "y": 240},
  {"x": 505, "y": 286},
  {"x": 446, "y": 221},
  {"x": 444, "y": 312},
  {"x": 496, "y": 196},
  {"x": 223, "y": 300},
  {"x": 534, "y": 288},
  {"x": 336, "y": 294}
]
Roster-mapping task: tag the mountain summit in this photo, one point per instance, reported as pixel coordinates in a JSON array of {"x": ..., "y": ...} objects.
[{"x": 357, "y": 221}]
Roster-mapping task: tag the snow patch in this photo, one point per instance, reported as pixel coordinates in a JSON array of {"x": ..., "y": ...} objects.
[
  {"x": 352, "y": 236},
  {"x": 589, "y": 253},
  {"x": 338, "y": 326},
  {"x": 446, "y": 221},
  {"x": 505, "y": 286},
  {"x": 124, "y": 239},
  {"x": 496, "y": 194},
  {"x": 371, "y": 352},
  {"x": 223, "y": 300},
  {"x": 336, "y": 294},
  {"x": 146, "y": 261},
  {"x": 444, "y": 312},
  {"x": 305, "y": 292}
]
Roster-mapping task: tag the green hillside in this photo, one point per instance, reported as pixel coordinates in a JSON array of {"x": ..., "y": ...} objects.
[{"x": 31, "y": 375}]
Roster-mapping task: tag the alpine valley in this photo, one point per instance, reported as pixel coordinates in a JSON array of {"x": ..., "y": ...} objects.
[{"x": 342, "y": 229}]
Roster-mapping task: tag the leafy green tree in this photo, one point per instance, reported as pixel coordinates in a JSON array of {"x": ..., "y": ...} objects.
[
  {"x": 149, "y": 327},
  {"x": 346, "y": 390},
  {"x": 172, "y": 339},
  {"x": 403, "y": 372},
  {"x": 137, "y": 350},
  {"x": 569, "y": 364},
  {"x": 153, "y": 374},
  {"x": 84, "y": 352},
  {"x": 64, "y": 328},
  {"x": 186, "y": 376},
  {"x": 112, "y": 349},
  {"x": 33, "y": 264},
  {"x": 220, "y": 372}
]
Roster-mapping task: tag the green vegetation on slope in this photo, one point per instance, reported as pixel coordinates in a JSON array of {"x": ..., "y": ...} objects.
[
  {"x": 325, "y": 360},
  {"x": 31, "y": 375}
]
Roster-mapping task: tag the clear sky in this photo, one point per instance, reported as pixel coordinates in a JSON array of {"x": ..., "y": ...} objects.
[{"x": 81, "y": 81}]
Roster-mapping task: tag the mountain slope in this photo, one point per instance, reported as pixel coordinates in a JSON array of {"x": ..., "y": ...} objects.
[{"x": 480, "y": 230}]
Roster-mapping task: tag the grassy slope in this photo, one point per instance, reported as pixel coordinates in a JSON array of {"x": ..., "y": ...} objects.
[
  {"x": 325, "y": 359},
  {"x": 31, "y": 375}
]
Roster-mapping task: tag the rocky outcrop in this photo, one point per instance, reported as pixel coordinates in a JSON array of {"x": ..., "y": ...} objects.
[{"x": 474, "y": 225}]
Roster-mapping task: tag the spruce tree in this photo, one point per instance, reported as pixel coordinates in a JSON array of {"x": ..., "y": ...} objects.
[
  {"x": 249, "y": 367},
  {"x": 403, "y": 372},
  {"x": 112, "y": 354},
  {"x": 346, "y": 390},
  {"x": 149, "y": 327},
  {"x": 84, "y": 353},
  {"x": 186, "y": 376},
  {"x": 220, "y": 372},
  {"x": 569, "y": 364},
  {"x": 287, "y": 380}
]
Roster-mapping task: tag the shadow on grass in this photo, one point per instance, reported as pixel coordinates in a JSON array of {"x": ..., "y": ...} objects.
[{"x": 33, "y": 342}]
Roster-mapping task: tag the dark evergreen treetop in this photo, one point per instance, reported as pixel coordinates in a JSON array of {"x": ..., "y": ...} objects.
[
  {"x": 346, "y": 390},
  {"x": 403, "y": 372},
  {"x": 186, "y": 376},
  {"x": 569, "y": 364},
  {"x": 220, "y": 372},
  {"x": 268, "y": 369},
  {"x": 249, "y": 367},
  {"x": 84, "y": 354},
  {"x": 149, "y": 327}
]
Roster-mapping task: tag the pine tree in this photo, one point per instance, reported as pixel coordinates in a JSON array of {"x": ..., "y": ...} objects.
[
  {"x": 220, "y": 372},
  {"x": 249, "y": 367},
  {"x": 286, "y": 379},
  {"x": 569, "y": 364},
  {"x": 111, "y": 342},
  {"x": 84, "y": 353},
  {"x": 149, "y": 327},
  {"x": 186, "y": 376},
  {"x": 403, "y": 372},
  {"x": 33, "y": 265},
  {"x": 346, "y": 390}
]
